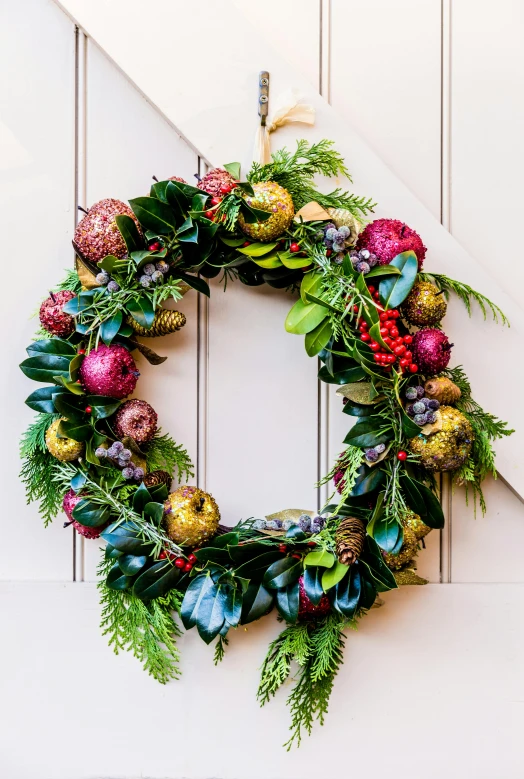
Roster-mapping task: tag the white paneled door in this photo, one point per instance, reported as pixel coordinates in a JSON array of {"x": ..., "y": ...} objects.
[{"x": 433, "y": 681}]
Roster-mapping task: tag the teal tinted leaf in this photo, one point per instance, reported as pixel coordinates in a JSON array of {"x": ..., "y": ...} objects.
[
  {"x": 433, "y": 516},
  {"x": 195, "y": 282},
  {"x": 368, "y": 591},
  {"x": 318, "y": 338},
  {"x": 131, "y": 564},
  {"x": 154, "y": 215},
  {"x": 126, "y": 540},
  {"x": 413, "y": 497},
  {"x": 193, "y": 598},
  {"x": 386, "y": 532},
  {"x": 142, "y": 311},
  {"x": 42, "y": 399},
  {"x": 409, "y": 428},
  {"x": 395, "y": 289},
  {"x": 257, "y": 566},
  {"x": 347, "y": 376},
  {"x": 368, "y": 481},
  {"x": 304, "y": 317},
  {"x": 110, "y": 327},
  {"x": 129, "y": 232},
  {"x": 82, "y": 301},
  {"x": 312, "y": 580},
  {"x": 89, "y": 514},
  {"x": 367, "y": 432},
  {"x": 383, "y": 270},
  {"x": 345, "y": 595},
  {"x": 156, "y": 581},
  {"x": 188, "y": 231},
  {"x": 154, "y": 512},
  {"x": 257, "y": 602},
  {"x": 288, "y": 602},
  {"x": 211, "y": 612},
  {"x": 78, "y": 481},
  {"x": 55, "y": 346},
  {"x": 282, "y": 573},
  {"x": 116, "y": 580},
  {"x": 141, "y": 498},
  {"x": 233, "y": 606},
  {"x": 383, "y": 576},
  {"x": 296, "y": 533}
]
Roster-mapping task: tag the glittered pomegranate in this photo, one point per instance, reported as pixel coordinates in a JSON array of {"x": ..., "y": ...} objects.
[
  {"x": 70, "y": 501},
  {"x": 269, "y": 196},
  {"x": 306, "y": 609},
  {"x": 109, "y": 370},
  {"x": 97, "y": 234},
  {"x": 388, "y": 237},
  {"x": 53, "y": 319},
  {"x": 431, "y": 350},
  {"x": 137, "y": 419},
  {"x": 217, "y": 182}
]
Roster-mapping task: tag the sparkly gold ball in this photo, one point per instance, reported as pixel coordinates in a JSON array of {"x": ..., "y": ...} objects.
[
  {"x": 341, "y": 217},
  {"x": 271, "y": 197},
  {"x": 408, "y": 550},
  {"x": 424, "y": 306},
  {"x": 450, "y": 447},
  {"x": 414, "y": 522},
  {"x": 191, "y": 516},
  {"x": 64, "y": 449}
]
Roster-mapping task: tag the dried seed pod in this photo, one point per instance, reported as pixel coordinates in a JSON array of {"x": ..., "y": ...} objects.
[
  {"x": 154, "y": 478},
  {"x": 442, "y": 389},
  {"x": 349, "y": 538},
  {"x": 165, "y": 322}
]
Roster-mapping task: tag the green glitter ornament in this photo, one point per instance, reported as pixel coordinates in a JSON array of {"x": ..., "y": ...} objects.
[{"x": 269, "y": 196}]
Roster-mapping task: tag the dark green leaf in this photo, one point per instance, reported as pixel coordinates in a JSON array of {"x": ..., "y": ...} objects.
[
  {"x": 193, "y": 598},
  {"x": 233, "y": 606},
  {"x": 257, "y": 566},
  {"x": 75, "y": 430},
  {"x": 413, "y": 497},
  {"x": 45, "y": 367},
  {"x": 383, "y": 576},
  {"x": 282, "y": 573},
  {"x": 386, "y": 532},
  {"x": 131, "y": 564},
  {"x": 82, "y": 301},
  {"x": 212, "y": 553},
  {"x": 345, "y": 595},
  {"x": 367, "y": 433},
  {"x": 154, "y": 215},
  {"x": 129, "y": 232},
  {"x": 175, "y": 197},
  {"x": 368, "y": 480},
  {"x": 433, "y": 516},
  {"x": 347, "y": 376},
  {"x": 42, "y": 399},
  {"x": 242, "y": 552},
  {"x": 156, "y": 580},
  {"x": 226, "y": 539},
  {"x": 368, "y": 591},
  {"x": 296, "y": 533},
  {"x": 355, "y": 410},
  {"x": 55, "y": 346},
  {"x": 89, "y": 514},
  {"x": 409, "y": 428},
  {"x": 395, "y": 289},
  {"x": 154, "y": 512},
  {"x": 141, "y": 498},
  {"x": 211, "y": 612},
  {"x": 126, "y": 539},
  {"x": 257, "y": 602},
  {"x": 71, "y": 407},
  {"x": 195, "y": 282},
  {"x": 102, "y": 405},
  {"x": 142, "y": 311},
  {"x": 110, "y": 327},
  {"x": 288, "y": 601},
  {"x": 318, "y": 338},
  {"x": 313, "y": 584},
  {"x": 116, "y": 580}
]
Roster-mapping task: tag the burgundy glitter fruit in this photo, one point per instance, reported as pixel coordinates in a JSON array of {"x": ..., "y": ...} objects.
[
  {"x": 68, "y": 504},
  {"x": 137, "y": 419},
  {"x": 97, "y": 234},
  {"x": 109, "y": 370},
  {"x": 431, "y": 350},
  {"x": 217, "y": 182},
  {"x": 53, "y": 319},
  {"x": 388, "y": 237},
  {"x": 306, "y": 609}
]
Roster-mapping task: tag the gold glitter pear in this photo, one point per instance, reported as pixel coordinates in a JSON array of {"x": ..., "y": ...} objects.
[
  {"x": 408, "y": 550},
  {"x": 269, "y": 196},
  {"x": 191, "y": 516},
  {"x": 64, "y": 449},
  {"x": 424, "y": 306},
  {"x": 165, "y": 322},
  {"x": 414, "y": 522},
  {"x": 450, "y": 447},
  {"x": 341, "y": 217}
]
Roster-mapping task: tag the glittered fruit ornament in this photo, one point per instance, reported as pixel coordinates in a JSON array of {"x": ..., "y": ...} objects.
[
  {"x": 341, "y": 217},
  {"x": 70, "y": 501},
  {"x": 137, "y": 419},
  {"x": 53, "y": 318},
  {"x": 424, "y": 305},
  {"x": 165, "y": 322},
  {"x": 97, "y": 234},
  {"x": 217, "y": 182},
  {"x": 269, "y": 196},
  {"x": 177, "y": 178},
  {"x": 442, "y": 389},
  {"x": 388, "y": 237},
  {"x": 306, "y": 609},
  {"x": 64, "y": 449},
  {"x": 155, "y": 478},
  {"x": 450, "y": 447},
  {"x": 414, "y": 522},
  {"x": 408, "y": 550},
  {"x": 109, "y": 370},
  {"x": 431, "y": 350},
  {"x": 191, "y": 516}
]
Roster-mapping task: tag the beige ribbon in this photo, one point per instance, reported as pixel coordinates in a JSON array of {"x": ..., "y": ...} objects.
[{"x": 289, "y": 109}]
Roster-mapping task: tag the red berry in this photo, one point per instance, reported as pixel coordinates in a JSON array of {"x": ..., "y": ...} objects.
[
  {"x": 180, "y": 562},
  {"x": 81, "y": 351},
  {"x": 399, "y": 350},
  {"x": 355, "y": 308},
  {"x": 215, "y": 201},
  {"x": 377, "y": 357},
  {"x": 225, "y": 188},
  {"x": 399, "y": 341},
  {"x": 209, "y": 214},
  {"x": 384, "y": 331},
  {"x": 393, "y": 331},
  {"x": 154, "y": 247},
  {"x": 88, "y": 409},
  {"x": 408, "y": 355},
  {"x": 383, "y": 316},
  {"x": 387, "y": 368},
  {"x": 365, "y": 337},
  {"x": 296, "y": 556},
  {"x": 395, "y": 314},
  {"x": 388, "y": 340},
  {"x": 192, "y": 559},
  {"x": 311, "y": 543},
  {"x": 162, "y": 555},
  {"x": 371, "y": 288},
  {"x": 329, "y": 253},
  {"x": 294, "y": 247},
  {"x": 282, "y": 548},
  {"x": 413, "y": 368},
  {"x": 391, "y": 358},
  {"x": 364, "y": 326},
  {"x": 408, "y": 339},
  {"x": 404, "y": 363},
  {"x": 187, "y": 567},
  {"x": 402, "y": 455},
  {"x": 374, "y": 346},
  {"x": 246, "y": 243}
]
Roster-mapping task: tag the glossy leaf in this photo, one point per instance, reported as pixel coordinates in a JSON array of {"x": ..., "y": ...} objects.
[
  {"x": 195, "y": 593},
  {"x": 141, "y": 498},
  {"x": 116, "y": 580},
  {"x": 368, "y": 591},
  {"x": 142, "y": 311},
  {"x": 111, "y": 326},
  {"x": 211, "y": 612},
  {"x": 256, "y": 603},
  {"x": 395, "y": 289},
  {"x": 433, "y": 516},
  {"x": 282, "y": 573},
  {"x": 288, "y": 601},
  {"x": 82, "y": 301},
  {"x": 268, "y": 263},
  {"x": 56, "y": 346},
  {"x": 354, "y": 410},
  {"x": 131, "y": 564},
  {"x": 45, "y": 368},
  {"x": 129, "y": 232},
  {"x": 42, "y": 399},
  {"x": 310, "y": 298},
  {"x": 293, "y": 262},
  {"x": 345, "y": 595},
  {"x": 154, "y": 512},
  {"x": 386, "y": 532},
  {"x": 226, "y": 539},
  {"x": 233, "y": 606},
  {"x": 367, "y": 433},
  {"x": 382, "y": 575},
  {"x": 78, "y": 481},
  {"x": 346, "y": 376},
  {"x": 154, "y": 215},
  {"x": 409, "y": 428},
  {"x": 311, "y": 283},
  {"x": 304, "y": 317},
  {"x": 321, "y": 558},
  {"x": 296, "y": 533},
  {"x": 70, "y": 407},
  {"x": 383, "y": 270},
  {"x": 156, "y": 580},
  {"x": 334, "y": 575},
  {"x": 257, "y": 567},
  {"x": 90, "y": 514},
  {"x": 76, "y": 430},
  {"x": 110, "y": 264},
  {"x": 312, "y": 581},
  {"x": 368, "y": 481},
  {"x": 318, "y": 338},
  {"x": 195, "y": 282},
  {"x": 257, "y": 249},
  {"x": 126, "y": 539},
  {"x": 211, "y": 553}
]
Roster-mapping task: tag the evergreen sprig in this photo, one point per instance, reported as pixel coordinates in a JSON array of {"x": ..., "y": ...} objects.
[
  {"x": 163, "y": 453},
  {"x": 39, "y": 469},
  {"x": 467, "y": 294},
  {"x": 71, "y": 282}
]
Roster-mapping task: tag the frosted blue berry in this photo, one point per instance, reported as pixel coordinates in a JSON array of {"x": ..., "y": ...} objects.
[
  {"x": 315, "y": 528},
  {"x": 162, "y": 266},
  {"x": 339, "y": 258},
  {"x": 420, "y": 391},
  {"x": 125, "y": 454},
  {"x": 102, "y": 278},
  {"x": 363, "y": 267},
  {"x": 331, "y": 234},
  {"x": 409, "y": 410},
  {"x": 273, "y": 524},
  {"x": 430, "y": 417},
  {"x": 329, "y": 226},
  {"x": 101, "y": 452},
  {"x": 338, "y": 247},
  {"x": 138, "y": 474},
  {"x": 157, "y": 276},
  {"x": 328, "y": 244},
  {"x": 304, "y": 522},
  {"x": 259, "y": 524},
  {"x": 372, "y": 260},
  {"x": 145, "y": 281},
  {"x": 411, "y": 393},
  {"x": 365, "y": 254},
  {"x": 128, "y": 473},
  {"x": 380, "y": 448},
  {"x": 433, "y": 405},
  {"x": 287, "y": 524},
  {"x": 371, "y": 455},
  {"x": 344, "y": 232},
  {"x": 419, "y": 407},
  {"x": 118, "y": 446},
  {"x": 319, "y": 521},
  {"x": 148, "y": 269},
  {"x": 419, "y": 419},
  {"x": 113, "y": 286}
]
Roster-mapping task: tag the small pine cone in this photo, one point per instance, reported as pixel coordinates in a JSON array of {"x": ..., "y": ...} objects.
[
  {"x": 165, "y": 322},
  {"x": 442, "y": 389},
  {"x": 154, "y": 478},
  {"x": 350, "y": 537}
]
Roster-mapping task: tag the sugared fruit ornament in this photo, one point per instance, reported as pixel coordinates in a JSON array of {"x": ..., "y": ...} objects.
[
  {"x": 70, "y": 501},
  {"x": 424, "y": 305},
  {"x": 64, "y": 449},
  {"x": 269, "y": 196},
  {"x": 341, "y": 217},
  {"x": 53, "y": 318},
  {"x": 217, "y": 182},
  {"x": 306, "y": 609},
  {"x": 137, "y": 419},
  {"x": 177, "y": 178},
  {"x": 450, "y": 447},
  {"x": 388, "y": 237},
  {"x": 431, "y": 350},
  {"x": 109, "y": 370},
  {"x": 97, "y": 234},
  {"x": 443, "y": 390},
  {"x": 414, "y": 522},
  {"x": 191, "y": 516},
  {"x": 408, "y": 551}
]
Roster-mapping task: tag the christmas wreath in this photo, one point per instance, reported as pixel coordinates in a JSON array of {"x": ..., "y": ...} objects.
[{"x": 368, "y": 311}]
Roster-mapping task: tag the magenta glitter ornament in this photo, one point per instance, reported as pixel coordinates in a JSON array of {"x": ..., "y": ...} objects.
[
  {"x": 216, "y": 182},
  {"x": 431, "y": 350},
  {"x": 388, "y": 237},
  {"x": 70, "y": 501},
  {"x": 137, "y": 419},
  {"x": 97, "y": 234},
  {"x": 306, "y": 609},
  {"x": 109, "y": 370},
  {"x": 53, "y": 319}
]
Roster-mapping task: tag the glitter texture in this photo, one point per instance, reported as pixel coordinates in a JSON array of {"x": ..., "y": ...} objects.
[
  {"x": 450, "y": 447},
  {"x": 137, "y": 419},
  {"x": 109, "y": 370},
  {"x": 97, "y": 234},
  {"x": 431, "y": 350},
  {"x": 271, "y": 197},
  {"x": 306, "y": 609},
  {"x": 341, "y": 217},
  {"x": 64, "y": 449},
  {"x": 191, "y": 516},
  {"x": 408, "y": 550},
  {"x": 424, "y": 306},
  {"x": 53, "y": 319},
  {"x": 414, "y": 522},
  {"x": 215, "y": 180},
  {"x": 388, "y": 237},
  {"x": 68, "y": 504}
]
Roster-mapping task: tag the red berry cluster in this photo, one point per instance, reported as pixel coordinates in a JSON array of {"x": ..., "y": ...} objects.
[
  {"x": 215, "y": 201},
  {"x": 184, "y": 565},
  {"x": 391, "y": 336}
]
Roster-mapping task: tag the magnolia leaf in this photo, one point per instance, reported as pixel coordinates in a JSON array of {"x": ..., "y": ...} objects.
[
  {"x": 361, "y": 392},
  {"x": 304, "y": 317},
  {"x": 290, "y": 514},
  {"x": 321, "y": 558},
  {"x": 85, "y": 275},
  {"x": 312, "y": 284}
]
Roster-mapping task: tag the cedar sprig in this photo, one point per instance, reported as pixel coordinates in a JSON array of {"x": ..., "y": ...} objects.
[
  {"x": 71, "y": 282},
  {"x": 220, "y": 649},
  {"x": 163, "y": 453},
  {"x": 466, "y": 293},
  {"x": 39, "y": 469}
]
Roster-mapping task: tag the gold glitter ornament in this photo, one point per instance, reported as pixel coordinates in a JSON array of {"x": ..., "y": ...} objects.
[
  {"x": 191, "y": 516},
  {"x": 408, "y": 550},
  {"x": 450, "y": 447},
  {"x": 408, "y": 576},
  {"x": 341, "y": 217},
  {"x": 64, "y": 449},
  {"x": 269, "y": 196},
  {"x": 414, "y": 522},
  {"x": 424, "y": 305}
]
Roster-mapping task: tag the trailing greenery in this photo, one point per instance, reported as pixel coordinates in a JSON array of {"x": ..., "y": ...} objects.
[
  {"x": 220, "y": 649},
  {"x": 467, "y": 294},
  {"x": 39, "y": 469},
  {"x": 349, "y": 463},
  {"x": 163, "y": 453}
]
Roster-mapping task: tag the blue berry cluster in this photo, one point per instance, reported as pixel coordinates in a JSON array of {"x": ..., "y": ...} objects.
[
  {"x": 152, "y": 274},
  {"x": 335, "y": 238},
  {"x": 105, "y": 280},
  {"x": 421, "y": 409},
  {"x": 363, "y": 260},
  {"x": 304, "y": 522},
  {"x": 121, "y": 457},
  {"x": 374, "y": 453}
]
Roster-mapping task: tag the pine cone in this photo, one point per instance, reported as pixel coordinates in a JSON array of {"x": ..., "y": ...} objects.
[
  {"x": 154, "y": 478},
  {"x": 442, "y": 389},
  {"x": 165, "y": 322},
  {"x": 349, "y": 537}
]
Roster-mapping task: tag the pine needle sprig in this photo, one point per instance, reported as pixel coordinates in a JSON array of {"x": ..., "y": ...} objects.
[
  {"x": 467, "y": 294},
  {"x": 39, "y": 469},
  {"x": 71, "y": 283},
  {"x": 220, "y": 649},
  {"x": 163, "y": 453}
]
